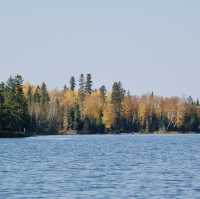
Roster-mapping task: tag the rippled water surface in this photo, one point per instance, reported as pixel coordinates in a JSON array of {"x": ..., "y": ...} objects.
[{"x": 101, "y": 167}]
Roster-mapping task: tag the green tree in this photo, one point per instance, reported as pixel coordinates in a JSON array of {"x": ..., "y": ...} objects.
[
  {"x": 44, "y": 99},
  {"x": 81, "y": 93},
  {"x": 1, "y": 104},
  {"x": 88, "y": 84},
  {"x": 15, "y": 112},
  {"x": 76, "y": 122},
  {"x": 37, "y": 95},
  {"x": 116, "y": 99},
  {"x": 30, "y": 95},
  {"x": 72, "y": 83},
  {"x": 117, "y": 93},
  {"x": 103, "y": 91},
  {"x": 65, "y": 89},
  {"x": 21, "y": 104}
]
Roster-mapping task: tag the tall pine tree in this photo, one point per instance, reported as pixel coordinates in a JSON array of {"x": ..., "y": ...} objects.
[
  {"x": 116, "y": 99},
  {"x": 44, "y": 94},
  {"x": 72, "y": 83},
  {"x": 88, "y": 84},
  {"x": 81, "y": 88}
]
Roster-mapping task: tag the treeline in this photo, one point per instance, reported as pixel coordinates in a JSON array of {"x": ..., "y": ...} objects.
[
  {"x": 14, "y": 115},
  {"x": 80, "y": 108}
]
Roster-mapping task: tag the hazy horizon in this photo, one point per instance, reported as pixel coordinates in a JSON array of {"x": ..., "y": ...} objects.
[{"x": 147, "y": 45}]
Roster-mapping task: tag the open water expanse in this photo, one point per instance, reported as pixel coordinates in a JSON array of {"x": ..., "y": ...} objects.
[{"x": 101, "y": 167}]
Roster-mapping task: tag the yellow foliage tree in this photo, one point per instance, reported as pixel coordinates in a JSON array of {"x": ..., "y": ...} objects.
[
  {"x": 70, "y": 98},
  {"x": 93, "y": 106},
  {"x": 170, "y": 110},
  {"x": 108, "y": 115},
  {"x": 127, "y": 108},
  {"x": 142, "y": 111},
  {"x": 26, "y": 88},
  {"x": 180, "y": 115}
]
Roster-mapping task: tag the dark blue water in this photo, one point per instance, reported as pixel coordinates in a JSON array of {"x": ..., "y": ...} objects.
[{"x": 101, "y": 167}]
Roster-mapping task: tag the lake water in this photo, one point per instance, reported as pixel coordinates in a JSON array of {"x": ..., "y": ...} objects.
[{"x": 101, "y": 167}]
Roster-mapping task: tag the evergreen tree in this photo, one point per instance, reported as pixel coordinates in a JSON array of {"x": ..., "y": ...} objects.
[
  {"x": 116, "y": 99},
  {"x": 11, "y": 85},
  {"x": 88, "y": 84},
  {"x": 197, "y": 103},
  {"x": 103, "y": 91},
  {"x": 44, "y": 99},
  {"x": 1, "y": 94},
  {"x": 44, "y": 106},
  {"x": 9, "y": 112},
  {"x": 190, "y": 100},
  {"x": 81, "y": 92},
  {"x": 76, "y": 122},
  {"x": 20, "y": 98},
  {"x": 21, "y": 104},
  {"x": 30, "y": 95},
  {"x": 65, "y": 89},
  {"x": 72, "y": 83},
  {"x": 1, "y": 104},
  {"x": 117, "y": 93},
  {"x": 37, "y": 95},
  {"x": 15, "y": 113}
]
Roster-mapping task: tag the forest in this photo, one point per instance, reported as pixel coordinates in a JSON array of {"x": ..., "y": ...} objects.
[{"x": 79, "y": 108}]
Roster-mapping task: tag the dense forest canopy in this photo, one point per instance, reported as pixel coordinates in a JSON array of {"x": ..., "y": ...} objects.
[{"x": 80, "y": 108}]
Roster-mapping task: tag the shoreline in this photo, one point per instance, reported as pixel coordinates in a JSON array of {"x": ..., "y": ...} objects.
[
  {"x": 22, "y": 135},
  {"x": 10, "y": 134}
]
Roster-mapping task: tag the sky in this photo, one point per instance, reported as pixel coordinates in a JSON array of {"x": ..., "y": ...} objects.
[{"x": 147, "y": 45}]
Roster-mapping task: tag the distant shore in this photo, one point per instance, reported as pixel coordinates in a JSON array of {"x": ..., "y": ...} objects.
[{"x": 7, "y": 134}]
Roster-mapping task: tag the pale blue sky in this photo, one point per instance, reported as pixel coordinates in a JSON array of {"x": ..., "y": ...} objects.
[{"x": 148, "y": 45}]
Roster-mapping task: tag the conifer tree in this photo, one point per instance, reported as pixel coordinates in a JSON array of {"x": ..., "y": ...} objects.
[
  {"x": 29, "y": 95},
  {"x": 37, "y": 95},
  {"x": 65, "y": 88},
  {"x": 44, "y": 99},
  {"x": 88, "y": 84},
  {"x": 81, "y": 86},
  {"x": 21, "y": 104},
  {"x": 72, "y": 83},
  {"x": 102, "y": 90},
  {"x": 1, "y": 104},
  {"x": 116, "y": 99},
  {"x": 1, "y": 95},
  {"x": 77, "y": 116}
]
